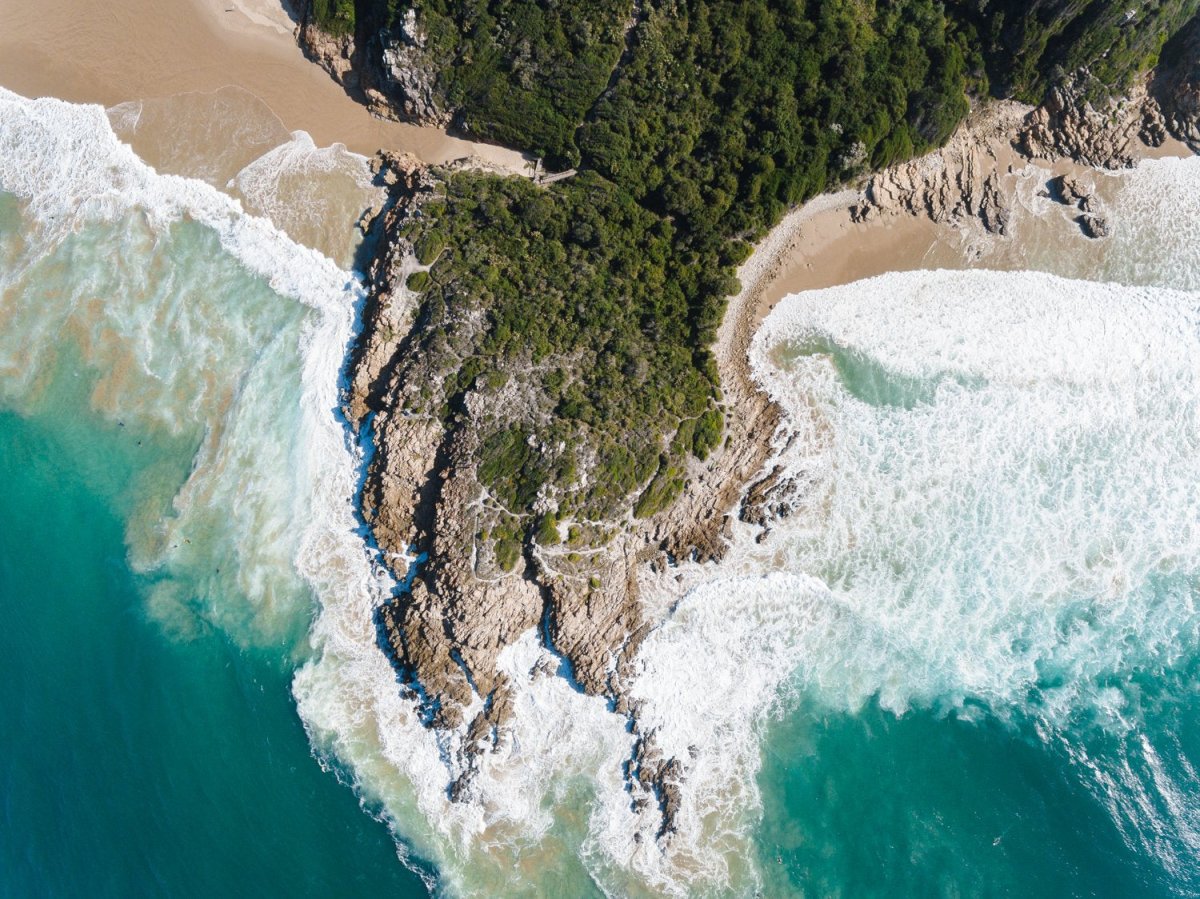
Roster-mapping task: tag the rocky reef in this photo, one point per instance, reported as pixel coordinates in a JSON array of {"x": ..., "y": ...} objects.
[{"x": 962, "y": 181}]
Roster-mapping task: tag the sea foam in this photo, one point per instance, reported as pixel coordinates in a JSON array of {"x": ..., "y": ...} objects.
[
  {"x": 275, "y": 470},
  {"x": 994, "y": 513}
]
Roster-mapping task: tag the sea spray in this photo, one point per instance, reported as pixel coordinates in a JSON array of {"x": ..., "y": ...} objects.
[
  {"x": 161, "y": 352},
  {"x": 969, "y": 532},
  {"x": 982, "y": 450},
  {"x": 315, "y": 194},
  {"x": 249, "y": 489},
  {"x": 992, "y": 488}
]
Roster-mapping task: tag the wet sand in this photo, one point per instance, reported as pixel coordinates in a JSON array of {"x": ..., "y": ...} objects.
[
  {"x": 819, "y": 245},
  {"x": 128, "y": 50}
]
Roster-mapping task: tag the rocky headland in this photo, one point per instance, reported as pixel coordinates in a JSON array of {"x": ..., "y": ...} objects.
[
  {"x": 575, "y": 581},
  {"x": 422, "y": 493}
]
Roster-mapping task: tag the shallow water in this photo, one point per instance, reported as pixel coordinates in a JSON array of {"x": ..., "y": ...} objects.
[
  {"x": 964, "y": 665},
  {"x": 149, "y": 394},
  {"x": 133, "y": 760},
  {"x": 997, "y": 689}
]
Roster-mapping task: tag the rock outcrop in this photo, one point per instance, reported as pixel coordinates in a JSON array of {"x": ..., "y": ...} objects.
[
  {"x": 1079, "y": 120},
  {"x": 961, "y": 182},
  {"x": 1079, "y": 191},
  {"x": 957, "y": 183},
  {"x": 421, "y": 493},
  {"x": 390, "y": 71},
  {"x": 411, "y": 91}
]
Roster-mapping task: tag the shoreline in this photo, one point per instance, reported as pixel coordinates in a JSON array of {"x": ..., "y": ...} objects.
[
  {"x": 137, "y": 50},
  {"x": 820, "y": 245}
]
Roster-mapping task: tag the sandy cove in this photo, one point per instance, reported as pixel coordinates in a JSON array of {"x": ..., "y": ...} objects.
[
  {"x": 147, "y": 49},
  {"x": 828, "y": 243}
]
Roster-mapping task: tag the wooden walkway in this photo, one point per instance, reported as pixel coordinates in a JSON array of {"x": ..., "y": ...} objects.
[
  {"x": 540, "y": 177},
  {"x": 557, "y": 176}
]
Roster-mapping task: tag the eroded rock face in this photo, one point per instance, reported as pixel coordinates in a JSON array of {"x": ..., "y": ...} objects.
[
  {"x": 961, "y": 182},
  {"x": 411, "y": 76},
  {"x": 1079, "y": 121},
  {"x": 334, "y": 53},
  {"x": 391, "y": 72},
  {"x": 957, "y": 183}
]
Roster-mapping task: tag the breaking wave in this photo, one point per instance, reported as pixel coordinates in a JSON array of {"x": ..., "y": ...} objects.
[
  {"x": 990, "y": 485},
  {"x": 992, "y": 482}
]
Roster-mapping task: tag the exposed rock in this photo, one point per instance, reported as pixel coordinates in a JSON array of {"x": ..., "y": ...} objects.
[
  {"x": 411, "y": 76},
  {"x": 657, "y": 781},
  {"x": 387, "y": 317},
  {"x": 1079, "y": 120},
  {"x": 993, "y": 207},
  {"x": 670, "y": 790},
  {"x": 962, "y": 181},
  {"x": 1071, "y": 189},
  {"x": 398, "y": 83},
  {"x": 769, "y": 499},
  {"x": 1078, "y": 190},
  {"x": 1094, "y": 226},
  {"x": 957, "y": 183},
  {"x": 334, "y": 53}
]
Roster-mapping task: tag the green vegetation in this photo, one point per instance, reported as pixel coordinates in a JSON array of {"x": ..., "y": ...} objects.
[
  {"x": 418, "y": 281},
  {"x": 581, "y": 313},
  {"x": 584, "y": 295},
  {"x": 605, "y": 291},
  {"x": 523, "y": 72},
  {"x": 1029, "y": 44},
  {"x": 335, "y": 16}
]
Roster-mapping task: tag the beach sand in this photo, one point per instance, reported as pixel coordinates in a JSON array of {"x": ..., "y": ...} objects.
[
  {"x": 819, "y": 245},
  {"x": 130, "y": 50}
]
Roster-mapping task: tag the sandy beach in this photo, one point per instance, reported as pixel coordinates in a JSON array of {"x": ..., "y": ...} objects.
[
  {"x": 820, "y": 245},
  {"x": 131, "y": 50}
]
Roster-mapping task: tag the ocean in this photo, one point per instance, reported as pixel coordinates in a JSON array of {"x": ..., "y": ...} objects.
[{"x": 965, "y": 664}]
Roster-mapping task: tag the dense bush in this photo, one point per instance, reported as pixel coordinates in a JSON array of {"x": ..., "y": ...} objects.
[
  {"x": 335, "y": 16},
  {"x": 579, "y": 290},
  {"x": 1030, "y": 43},
  {"x": 695, "y": 124}
]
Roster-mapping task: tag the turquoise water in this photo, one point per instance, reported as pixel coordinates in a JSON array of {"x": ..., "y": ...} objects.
[
  {"x": 965, "y": 665},
  {"x": 926, "y": 805},
  {"x": 153, "y": 617},
  {"x": 133, "y": 762},
  {"x": 998, "y": 692}
]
